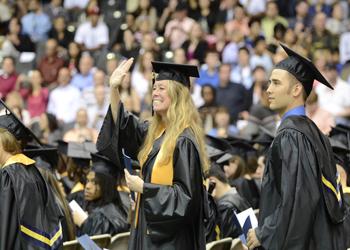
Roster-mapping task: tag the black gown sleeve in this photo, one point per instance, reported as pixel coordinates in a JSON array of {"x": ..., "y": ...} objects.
[
  {"x": 128, "y": 132},
  {"x": 299, "y": 194},
  {"x": 226, "y": 225},
  {"x": 166, "y": 208},
  {"x": 8, "y": 217},
  {"x": 96, "y": 224}
]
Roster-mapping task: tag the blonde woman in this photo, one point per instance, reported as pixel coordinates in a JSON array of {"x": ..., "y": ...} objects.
[{"x": 170, "y": 206}]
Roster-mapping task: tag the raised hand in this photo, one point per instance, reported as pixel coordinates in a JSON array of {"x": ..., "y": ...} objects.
[{"x": 120, "y": 72}]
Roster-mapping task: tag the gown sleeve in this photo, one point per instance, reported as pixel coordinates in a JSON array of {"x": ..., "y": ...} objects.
[
  {"x": 8, "y": 217},
  {"x": 227, "y": 227},
  {"x": 299, "y": 194},
  {"x": 127, "y": 132},
  {"x": 168, "y": 207},
  {"x": 96, "y": 224}
]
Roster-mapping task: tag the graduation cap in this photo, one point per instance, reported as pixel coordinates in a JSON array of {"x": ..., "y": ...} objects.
[
  {"x": 302, "y": 68},
  {"x": 239, "y": 147},
  {"x": 101, "y": 164},
  {"x": 46, "y": 156},
  {"x": 80, "y": 152},
  {"x": 177, "y": 72},
  {"x": 216, "y": 147},
  {"x": 9, "y": 121}
]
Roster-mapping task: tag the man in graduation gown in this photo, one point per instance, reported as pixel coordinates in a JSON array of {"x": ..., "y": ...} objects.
[
  {"x": 29, "y": 215},
  {"x": 170, "y": 206},
  {"x": 302, "y": 203}
]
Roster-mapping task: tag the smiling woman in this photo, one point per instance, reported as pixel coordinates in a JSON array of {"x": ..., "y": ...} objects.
[{"x": 170, "y": 149}]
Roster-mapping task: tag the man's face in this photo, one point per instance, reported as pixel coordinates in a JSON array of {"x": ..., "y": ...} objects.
[
  {"x": 8, "y": 66},
  {"x": 279, "y": 91}
]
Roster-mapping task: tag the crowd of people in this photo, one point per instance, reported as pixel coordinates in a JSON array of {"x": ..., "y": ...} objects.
[{"x": 81, "y": 76}]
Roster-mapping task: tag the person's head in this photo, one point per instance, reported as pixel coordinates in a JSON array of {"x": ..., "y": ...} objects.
[
  {"x": 278, "y": 31},
  {"x": 99, "y": 78},
  {"x": 218, "y": 178},
  {"x": 34, "y": 5},
  {"x": 128, "y": 37},
  {"x": 243, "y": 56},
  {"x": 284, "y": 91},
  {"x": 48, "y": 122},
  {"x": 235, "y": 167},
  {"x": 36, "y": 79},
  {"x": 239, "y": 12},
  {"x": 73, "y": 50},
  {"x": 254, "y": 25},
  {"x": 319, "y": 22},
  {"x": 180, "y": 11},
  {"x": 15, "y": 102},
  {"x": 85, "y": 64},
  {"x": 59, "y": 24},
  {"x": 111, "y": 64},
  {"x": 219, "y": 32},
  {"x": 208, "y": 94},
  {"x": 148, "y": 41},
  {"x": 224, "y": 74},
  {"x": 14, "y": 26},
  {"x": 271, "y": 9},
  {"x": 64, "y": 77},
  {"x": 8, "y": 65},
  {"x": 56, "y": 3},
  {"x": 290, "y": 37},
  {"x": 260, "y": 45},
  {"x": 82, "y": 118},
  {"x": 51, "y": 48},
  {"x": 222, "y": 117},
  {"x": 94, "y": 14},
  {"x": 204, "y": 4},
  {"x": 302, "y": 8},
  {"x": 259, "y": 74},
  {"x": 337, "y": 11},
  {"x": 331, "y": 73},
  {"x": 145, "y": 61},
  {"x": 179, "y": 56},
  {"x": 196, "y": 32},
  {"x": 144, "y": 25},
  {"x": 144, "y": 4},
  {"x": 8, "y": 145},
  {"x": 212, "y": 59},
  {"x": 100, "y": 94},
  {"x": 259, "y": 172}
]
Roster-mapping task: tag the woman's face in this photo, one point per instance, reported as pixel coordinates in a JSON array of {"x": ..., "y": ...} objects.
[
  {"x": 73, "y": 50},
  {"x": 92, "y": 189},
  {"x": 160, "y": 98},
  {"x": 208, "y": 95},
  {"x": 231, "y": 168}
]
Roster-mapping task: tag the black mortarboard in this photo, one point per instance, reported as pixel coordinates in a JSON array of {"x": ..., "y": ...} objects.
[
  {"x": 46, "y": 156},
  {"x": 10, "y": 121},
  {"x": 79, "y": 152},
  {"x": 302, "y": 68},
  {"x": 239, "y": 147},
  {"x": 177, "y": 72},
  {"x": 101, "y": 164},
  {"x": 216, "y": 147}
]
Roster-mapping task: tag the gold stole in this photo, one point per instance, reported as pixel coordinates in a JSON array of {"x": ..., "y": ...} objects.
[{"x": 161, "y": 174}]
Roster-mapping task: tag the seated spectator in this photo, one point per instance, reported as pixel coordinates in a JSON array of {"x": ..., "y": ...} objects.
[
  {"x": 65, "y": 111},
  {"x": 141, "y": 76},
  {"x": 255, "y": 31},
  {"x": 177, "y": 29},
  {"x": 195, "y": 46},
  {"x": 231, "y": 95},
  {"x": 101, "y": 201},
  {"x": 60, "y": 33},
  {"x": 8, "y": 76},
  {"x": 129, "y": 47},
  {"x": 239, "y": 21},
  {"x": 55, "y": 9},
  {"x": 205, "y": 15},
  {"x": 209, "y": 71},
  {"x": 36, "y": 96},
  {"x": 50, "y": 64},
  {"x": 143, "y": 27},
  {"x": 271, "y": 18},
  {"x": 148, "y": 44},
  {"x": 100, "y": 79},
  {"x": 338, "y": 23},
  {"x": 129, "y": 97},
  {"x": 74, "y": 55},
  {"x": 233, "y": 166},
  {"x": 179, "y": 56},
  {"x": 15, "y": 102},
  {"x": 229, "y": 202},
  {"x": 242, "y": 72},
  {"x": 230, "y": 52},
  {"x": 81, "y": 131},
  {"x": 222, "y": 128},
  {"x": 84, "y": 78},
  {"x": 261, "y": 56},
  {"x": 145, "y": 9},
  {"x": 93, "y": 34},
  {"x": 301, "y": 20},
  {"x": 99, "y": 108},
  {"x": 217, "y": 41},
  {"x": 16, "y": 42},
  {"x": 208, "y": 110},
  {"x": 36, "y": 23},
  {"x": 46, "y": 129}
]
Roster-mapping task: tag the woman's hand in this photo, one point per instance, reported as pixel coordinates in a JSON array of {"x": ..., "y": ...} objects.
[
  {"x": 120, "y": 72},
  {"x": 134, "y": 182}
]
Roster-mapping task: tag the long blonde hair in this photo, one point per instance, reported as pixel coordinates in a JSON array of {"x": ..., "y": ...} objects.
[{"x": 181, "y": 114}]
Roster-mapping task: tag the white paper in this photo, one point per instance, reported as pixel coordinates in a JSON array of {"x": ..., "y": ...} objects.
[
  {"x": 242, "y": 217},
  {"x": 26, "y": 57},
  {"x": 74, "y": 206}
]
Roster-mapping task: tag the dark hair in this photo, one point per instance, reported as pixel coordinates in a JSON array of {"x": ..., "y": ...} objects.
[
  {"x": 218, "y": 173},
  {"x": 244, "y": 49},
  {"x": 241, "y": 165},
  {"x": 257, "y": 40},
  {"x": 52, "y": 122},
  {"x": 207, "y": 85},
  {"x": 11, "y": 58},
  {"x": 109, "y": 193},
  {"x": 254, "y": 19}
]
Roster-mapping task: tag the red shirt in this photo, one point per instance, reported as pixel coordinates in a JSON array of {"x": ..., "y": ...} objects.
[
  {"x": 36, "y": 105},
  {"x": 7, "y": 84},
  {"x": 49, "y": 69}
]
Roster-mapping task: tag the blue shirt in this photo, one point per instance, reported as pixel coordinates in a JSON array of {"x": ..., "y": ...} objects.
[
  {"x": 300, "y": 110},
  {"x": 82, "y": 81},
  {"x": 36, "y": 26},
  {"x": 207, "y": 78}
]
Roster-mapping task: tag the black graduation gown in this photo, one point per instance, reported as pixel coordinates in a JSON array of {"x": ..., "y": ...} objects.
[
  {"x": 29, "y": 215},
  {"x": 228, "y": 204},
  {"x": 249, "y": 190},
  {"x": 297, "y": 211},
  {"x": 169, "y": 217},
  {"x": 347, "y": 220}
]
